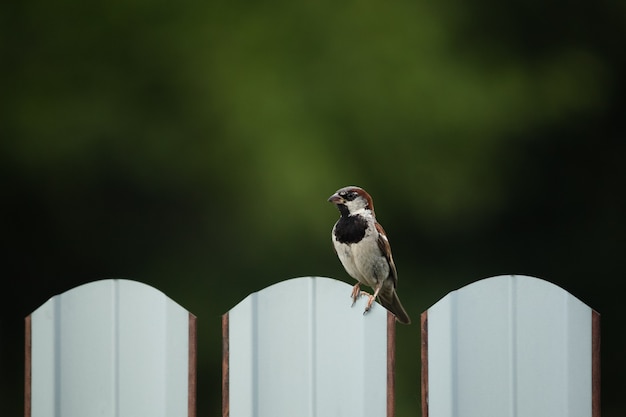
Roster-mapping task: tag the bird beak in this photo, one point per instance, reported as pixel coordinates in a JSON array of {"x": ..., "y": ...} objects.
[{"x": 335, "y": 199}]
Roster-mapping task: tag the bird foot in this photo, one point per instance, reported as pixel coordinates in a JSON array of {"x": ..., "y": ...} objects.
[
  {"x": 370, "y": 301},
  {"x": 356, "y": 293}
]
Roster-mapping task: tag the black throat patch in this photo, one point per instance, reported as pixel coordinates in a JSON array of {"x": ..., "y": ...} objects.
[{"x": 350, "y": 229}]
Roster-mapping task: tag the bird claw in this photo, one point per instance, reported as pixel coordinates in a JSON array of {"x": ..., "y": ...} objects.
[
  {"x": 370, "y": 301},
  {"x": 356, "y": 293}
]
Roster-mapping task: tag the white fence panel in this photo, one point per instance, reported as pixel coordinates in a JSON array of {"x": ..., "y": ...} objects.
[
  {"x": 297, "y": 348},
  {"x": 510, "y": 346},
  {"x": 110, "y": 348}
]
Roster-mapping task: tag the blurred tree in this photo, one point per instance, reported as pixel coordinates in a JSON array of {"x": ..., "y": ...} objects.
[{"x": 192, "y": 145}]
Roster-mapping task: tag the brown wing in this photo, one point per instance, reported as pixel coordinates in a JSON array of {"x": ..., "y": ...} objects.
[{"x": 385, "y": 248}]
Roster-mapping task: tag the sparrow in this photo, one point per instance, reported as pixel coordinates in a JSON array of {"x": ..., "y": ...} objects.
[{"x": 364, "y": 251}]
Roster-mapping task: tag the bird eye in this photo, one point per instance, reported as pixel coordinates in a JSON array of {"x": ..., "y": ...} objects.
[{"x": 350, "y": 195}]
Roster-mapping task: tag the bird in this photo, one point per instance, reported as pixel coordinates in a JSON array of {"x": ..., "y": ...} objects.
[{"x": 364, "y": 250}]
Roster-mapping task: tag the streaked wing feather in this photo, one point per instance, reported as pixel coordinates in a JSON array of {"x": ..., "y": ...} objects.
[{"x": 385, "y": 247}]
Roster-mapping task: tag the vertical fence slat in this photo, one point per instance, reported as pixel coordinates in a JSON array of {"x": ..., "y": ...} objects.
[
  {"x": 298, "y": 348},
  {"x": 111, "y": 348},
  {"x": 510, "y": 346}
]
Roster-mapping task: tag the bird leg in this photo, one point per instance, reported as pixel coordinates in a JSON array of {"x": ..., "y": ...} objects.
[
  {"x": 356, "y": 292},
  {"x": 372, "y": 297}
]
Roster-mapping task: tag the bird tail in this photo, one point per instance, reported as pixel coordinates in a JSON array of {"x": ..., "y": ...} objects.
[{"x": 392, "y": 303}]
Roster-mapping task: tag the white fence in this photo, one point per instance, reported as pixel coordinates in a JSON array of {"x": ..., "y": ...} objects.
[
  {"x": 110, "y": 348},
  {"x": 298, "y": 349},
  {"x": 509, "y": 346}
]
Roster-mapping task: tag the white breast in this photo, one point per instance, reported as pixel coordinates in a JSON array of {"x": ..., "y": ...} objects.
[{"x": 363, "y": 261}]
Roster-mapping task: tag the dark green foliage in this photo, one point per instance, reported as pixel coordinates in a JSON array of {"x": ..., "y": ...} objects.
[{"x": 192, "y": 146}]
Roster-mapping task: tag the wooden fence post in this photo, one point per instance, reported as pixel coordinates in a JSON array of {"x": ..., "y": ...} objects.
[
  {"x": 110, "y": 348},
  {"x": 297, "y": 348},
  {"x": 510, "y": 346}
]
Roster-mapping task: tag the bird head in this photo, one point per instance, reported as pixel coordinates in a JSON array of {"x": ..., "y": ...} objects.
[{"x": 352, "y": 200}]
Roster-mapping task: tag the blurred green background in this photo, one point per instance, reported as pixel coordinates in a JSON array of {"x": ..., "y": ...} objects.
[{"x": 192, "y": 146}]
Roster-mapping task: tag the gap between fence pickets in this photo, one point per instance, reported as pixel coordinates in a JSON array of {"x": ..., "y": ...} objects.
[
  {"x": 391, "y": 365},
  {"x": 595, "y": 364}
]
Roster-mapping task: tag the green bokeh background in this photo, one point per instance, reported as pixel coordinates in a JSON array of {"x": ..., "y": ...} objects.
[{"x": 192, "y": 146}]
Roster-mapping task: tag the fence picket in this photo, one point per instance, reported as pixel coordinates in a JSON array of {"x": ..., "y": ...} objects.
[
  {"x": 512, "y": 346},
  {"x": 296, "y": 348},
  {"x": 110, "y": 348},
  {"x": 508, "y": 346}
]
